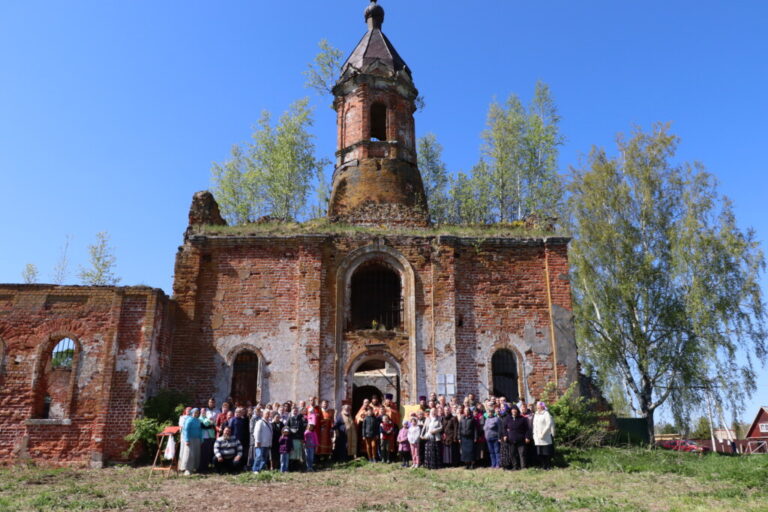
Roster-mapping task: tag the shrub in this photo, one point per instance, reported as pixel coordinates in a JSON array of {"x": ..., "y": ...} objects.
[
  {"x": 160, "y": 411},
  {"x": 578, "y": 423},
  {"x": 167, "y": 405}
]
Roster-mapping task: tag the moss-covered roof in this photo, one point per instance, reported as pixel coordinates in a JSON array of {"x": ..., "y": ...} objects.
[{"x": 324, "y": 227}]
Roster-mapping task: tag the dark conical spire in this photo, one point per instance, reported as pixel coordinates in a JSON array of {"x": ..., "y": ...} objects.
[
  {"x": 374, "y": 15},
  {"x": 375, "y": 53}
]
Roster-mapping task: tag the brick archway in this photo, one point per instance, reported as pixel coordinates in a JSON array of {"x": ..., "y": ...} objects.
[
  {"x": 231, "y": 359},
  {"x": 344, "y": 273},
  {"x": 40, "y": 376},
  {"x": 367, "y": 356},
  {"x": 522, "y": 381}
]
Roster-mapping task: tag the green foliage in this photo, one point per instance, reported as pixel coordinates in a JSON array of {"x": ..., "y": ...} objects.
[
  {"x": 521, "y": 145},
  {"x": 63, "y": 358},
  {"x": 577, "y": 422},
  {"x": 435, "y": 177},
  {"x": 517, "y": 175},
  {"x": 144, "y": 434},
  {"x": 29, "y": 274},
  {"x": 747, "y": 471},
  {"x": 272, "y": 174},
  {"x": 166, "y": 406},
  {"x": 102, "y": 263},
  {"x": 701, "y": 429},
  {"x": 666, "y": 286},
  {"x": 160, "y": 411},
  {"x": 667, "y": 428},
  {"x": 324, "y": 70},
  {"x": 470, "y": 197}
]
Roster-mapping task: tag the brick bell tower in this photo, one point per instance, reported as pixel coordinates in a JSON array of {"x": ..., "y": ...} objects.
[{"x": 376, "y": 180}]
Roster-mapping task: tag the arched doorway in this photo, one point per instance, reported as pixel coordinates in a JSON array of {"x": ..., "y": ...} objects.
[
  {"x": 245, "y": 373},
  {"x": 374, "y": 377},
  {"x": 504, "y": 369}
]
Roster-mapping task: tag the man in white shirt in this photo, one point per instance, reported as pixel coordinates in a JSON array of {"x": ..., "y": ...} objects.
[{"x": 262, "y": 441}]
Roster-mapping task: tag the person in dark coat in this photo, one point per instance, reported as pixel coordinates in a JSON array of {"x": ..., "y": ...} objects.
[
  {"x": 450, "y": 438},
  {"x": 370, "y": 432},
  {"x": 297, "y": 424},
  {"x": 468, "y": 433},
  {"x": 240, "y": 429},
  {"x": 517, "y": 435},
  {"x": 505, "y": 450},
  {"x": 277, "y": 432}
]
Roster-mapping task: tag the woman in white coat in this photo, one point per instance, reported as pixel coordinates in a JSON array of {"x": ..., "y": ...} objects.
[{"x": 543, "y": 435}]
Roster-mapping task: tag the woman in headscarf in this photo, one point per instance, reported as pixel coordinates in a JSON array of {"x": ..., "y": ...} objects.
[
  {"x": 185, "y": 413},
  {"x": 505, "y": 450},
  {"x": 543, "y": 435},
  {"x": 468, "y": 433},
  {"x": 277, "y": 431},
  {"x": 297, "y": 424},
  {"x": 432, "y": 434},
  {"x": 191, "y": 438},
  {"x": 491, "y": 429},
  {"x": 450, "y": 437}
]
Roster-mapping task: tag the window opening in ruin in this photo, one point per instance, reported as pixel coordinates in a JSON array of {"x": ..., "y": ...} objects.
[
  {"x": 46, "y": 407},
  {"x": 504, "y": 368},
  {"x": 63, "y": 355},
  {"x": 374, "y": 377},
  {"x": 379, "y": 121},
  {"x": 245, "y": 372},
  {"x": 376, "y": 298}
]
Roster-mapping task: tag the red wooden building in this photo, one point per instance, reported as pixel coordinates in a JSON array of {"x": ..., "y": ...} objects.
[{"x": 757, "y": 435}]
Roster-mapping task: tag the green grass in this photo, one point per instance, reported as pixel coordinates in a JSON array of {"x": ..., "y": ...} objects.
[
  {"x": 749, "y": 472},
  {"x": 603, "y": 479},
  {"x": 323, "y": 226}
]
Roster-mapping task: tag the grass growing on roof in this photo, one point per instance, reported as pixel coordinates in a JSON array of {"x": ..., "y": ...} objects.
[{"x": 324, "y": 226}]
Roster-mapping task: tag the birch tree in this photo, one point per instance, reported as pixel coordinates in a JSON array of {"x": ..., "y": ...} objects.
[
  {"x": 101, "y": 271},
  {"x": 435, "y": 177},
  {"x": 272, "y": 174},
  {"x": 521, "y": 147},
  {"x": 666, "y": 285}
]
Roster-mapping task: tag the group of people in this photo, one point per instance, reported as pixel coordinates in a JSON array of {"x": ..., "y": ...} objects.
[{"x": 437, "y": 433}]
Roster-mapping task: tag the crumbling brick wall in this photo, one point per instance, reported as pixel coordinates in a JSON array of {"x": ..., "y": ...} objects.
[
  {"x": 101, "y": 393},
  {"x": 283, "y": 298}
]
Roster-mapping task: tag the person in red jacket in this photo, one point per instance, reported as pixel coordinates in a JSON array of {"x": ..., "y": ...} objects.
[{"x": 387, "y": 437}]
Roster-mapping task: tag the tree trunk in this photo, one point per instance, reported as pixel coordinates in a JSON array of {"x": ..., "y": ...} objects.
[{"x": 650, "y": 426}]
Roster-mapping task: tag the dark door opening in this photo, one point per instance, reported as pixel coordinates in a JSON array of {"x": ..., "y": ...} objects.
[
  {"x": 504, "y": 368},
  {"x": 374, "y": 377},
  {"x": 245, "y": 372}
]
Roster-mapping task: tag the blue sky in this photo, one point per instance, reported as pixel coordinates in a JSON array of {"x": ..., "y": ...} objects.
[{"x": 111, "y": 112}]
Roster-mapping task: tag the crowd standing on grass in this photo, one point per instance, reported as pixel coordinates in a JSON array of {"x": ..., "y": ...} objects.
[{"x": 439, "y": 433}]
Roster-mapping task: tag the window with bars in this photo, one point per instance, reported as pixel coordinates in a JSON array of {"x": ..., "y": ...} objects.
[
  {"x": 376, "y": 300},
  {"x": 63, "y": 355}
]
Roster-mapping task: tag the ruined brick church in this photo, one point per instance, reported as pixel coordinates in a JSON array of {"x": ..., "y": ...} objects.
[{"x": 262, "y": 317}]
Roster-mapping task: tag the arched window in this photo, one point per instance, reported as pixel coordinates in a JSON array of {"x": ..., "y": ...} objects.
[
  {"x": 63, "y": 355},
  {"x": 376, "y": 298},
  {"x": 245, "y": 373},
  {"x": 504, "y": 368},
  {"x": 379, "y": 121},
  {"x": 56, "y": 380}
]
